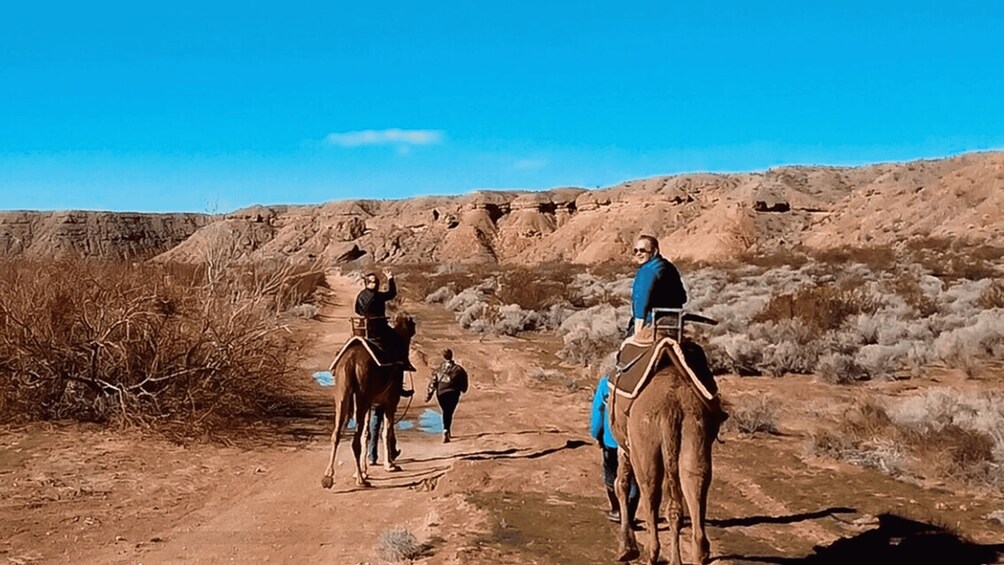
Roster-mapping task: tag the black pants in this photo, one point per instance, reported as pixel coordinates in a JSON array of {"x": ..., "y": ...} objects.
[
  {"x": 610, "y": 477},
  {"x": 448, "y": 402}
]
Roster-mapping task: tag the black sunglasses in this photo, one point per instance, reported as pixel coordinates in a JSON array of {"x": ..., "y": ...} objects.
[{"x": 642, "y": 250}]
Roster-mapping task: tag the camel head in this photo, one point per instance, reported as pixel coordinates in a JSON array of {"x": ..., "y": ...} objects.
[{"x": 404, "y": 324}]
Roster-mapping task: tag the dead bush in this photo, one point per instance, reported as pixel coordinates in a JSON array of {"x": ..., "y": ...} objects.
[
  {"x": 419, "y": 281},
  {"x": 753, "y": 415},
  {"x": 776, "y": 258},
  {"x": 907, "y": 286},
  {"x": 590, "y": 335},
  {"x": 838, "y": 368},
  {"x": 398, "y": 544},
  {"x": 819, "y": 308},
  {"x": 951, "y": 259},
  {"x": 876, "y": 258},
  {"x": 537, "y": 289},
  {"x": 993, "y": 296},
  {"x": 178, "y": 349}
]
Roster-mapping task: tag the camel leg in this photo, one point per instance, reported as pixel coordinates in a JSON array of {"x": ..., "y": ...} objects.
[
  {"x": 363, "y": 462},
  {"x": 695, "y": 463},
  {"x": 390, "y": 442},
  {"x": 343, "y": 403},
  {"x": 648, "y": 469},
  {"x": 674, "y": 509},
  {"x": 628, "y": 546},
  {"x": 362, "y": 415}
]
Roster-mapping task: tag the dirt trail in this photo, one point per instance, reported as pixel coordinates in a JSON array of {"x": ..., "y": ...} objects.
[{"x": 521, "y": 483}]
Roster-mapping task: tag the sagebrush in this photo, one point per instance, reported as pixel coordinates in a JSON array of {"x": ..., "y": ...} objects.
[{"x": 176, "y": 348}]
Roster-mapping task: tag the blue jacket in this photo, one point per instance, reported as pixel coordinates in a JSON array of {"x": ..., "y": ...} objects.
[
  {"x": 599, "y": 421},
  {"x": 657, "y": 284}
]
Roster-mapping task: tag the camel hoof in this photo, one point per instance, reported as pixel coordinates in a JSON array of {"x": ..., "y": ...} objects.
[
  {"x": 392, "y": 468},
  {"x": 363, "y": 483},
  {"x": 327, "y": 482},
  {"x": 627, "y": 554}
]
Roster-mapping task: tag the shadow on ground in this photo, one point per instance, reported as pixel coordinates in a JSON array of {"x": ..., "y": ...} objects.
[{"x": 895, "y": 540}]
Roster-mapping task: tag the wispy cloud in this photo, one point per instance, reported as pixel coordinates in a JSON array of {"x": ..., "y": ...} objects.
[
  {"x": 393, "y": 136},
  {"x": 530, "y": 164}
]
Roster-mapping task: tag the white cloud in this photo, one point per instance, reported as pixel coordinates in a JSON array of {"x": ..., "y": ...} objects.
[
  {"x": 530, "y": 164},
  {"x": 393, "y": 136}
]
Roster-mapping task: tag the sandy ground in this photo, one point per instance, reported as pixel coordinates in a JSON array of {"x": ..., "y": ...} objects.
[{"x": 521, "y": 483}]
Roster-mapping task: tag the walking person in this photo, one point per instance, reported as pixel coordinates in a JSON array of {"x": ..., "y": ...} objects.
[
  {"x": 373, "y": 441},
  {"x": 599, "y": 428},
  {"x": 449, "y": 381}
]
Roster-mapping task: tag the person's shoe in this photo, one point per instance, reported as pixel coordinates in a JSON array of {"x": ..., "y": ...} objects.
[
  {"x": 614, "y": 516},
  {"x": 395, "y": 454},
  {"x": 407, "y": 393},
  {"x": 446, "y": 437},
  {"x": 372, "y": 462}
]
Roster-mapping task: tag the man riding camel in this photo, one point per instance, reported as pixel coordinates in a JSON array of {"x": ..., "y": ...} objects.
[
  {"x": 371, "y": 303},
  {"x": 657, "y": 284}
]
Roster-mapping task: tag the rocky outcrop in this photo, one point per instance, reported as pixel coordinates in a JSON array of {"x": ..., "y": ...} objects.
[
  {"x": 700, "y": 216},
  {"x": 103, "y": 235}
]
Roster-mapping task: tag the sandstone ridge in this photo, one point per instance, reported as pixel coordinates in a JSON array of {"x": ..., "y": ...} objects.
[{"x": 698, "y": 216}]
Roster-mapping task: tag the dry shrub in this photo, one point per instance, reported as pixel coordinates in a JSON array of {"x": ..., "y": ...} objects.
[
  {"x": 952, "y": 259},
  {"x": 867, "y": 420},
  {"x": 907, "y": 286},
  {"x": 819, "y": 308},
  {"x": 590, "y": 335},
  {"x": 754, "y": 414},
  {"x": 951, "y": 435},
  {"x": 537, "y": 289},
  {"x": 877, "y": 258},
  {"x": 839, "y": 368},
  {"x": 993, "y": 296},
  {"x": 774, "y": 259},
  {"x": 178, "y": 349},
  {"x": 863, "y": 439},
  {"x": 398, "y": 544},
  {"x": 419, "y": 281}
]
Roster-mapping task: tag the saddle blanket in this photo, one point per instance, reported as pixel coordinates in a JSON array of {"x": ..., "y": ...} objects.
[
  {"x": 638, "y": 361},
  {"x": 380, "y": 357}
]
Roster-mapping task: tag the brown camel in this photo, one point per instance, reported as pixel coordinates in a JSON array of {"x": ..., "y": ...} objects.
[
  {"x": 666, "y": 434},
  {"x": 359, "y": 385}
]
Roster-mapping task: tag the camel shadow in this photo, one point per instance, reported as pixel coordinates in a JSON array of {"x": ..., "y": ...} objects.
[
  {"x": 895, "y": 540},
  {"x": 510, "y": 453},
  {"x": 767, "y": 519},
  {"x": 762, "y": 519},
  {"x": 515, "y": 433},
  {"x": 420, "y": 479}
]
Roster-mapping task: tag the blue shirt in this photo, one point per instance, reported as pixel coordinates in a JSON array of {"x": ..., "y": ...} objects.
[
  {"x": 657, "y": 284},
  {"x": 599, "y": 421}
]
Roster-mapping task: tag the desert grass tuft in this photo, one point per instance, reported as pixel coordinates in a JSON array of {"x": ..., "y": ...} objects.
[{"x": 398, "y": 544}]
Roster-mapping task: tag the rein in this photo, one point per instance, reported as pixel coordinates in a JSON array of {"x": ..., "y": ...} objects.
[{"x": 410, "y": 398}]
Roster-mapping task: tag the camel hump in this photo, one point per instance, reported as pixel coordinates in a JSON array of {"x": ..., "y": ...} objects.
[
  {"x": 378, "y": 354},
  {"x": 697, "y": 360},
  {"x": 638, "y": 362}
]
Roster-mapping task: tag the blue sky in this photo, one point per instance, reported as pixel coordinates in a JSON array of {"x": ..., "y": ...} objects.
[{"x": 188, "y": 107}]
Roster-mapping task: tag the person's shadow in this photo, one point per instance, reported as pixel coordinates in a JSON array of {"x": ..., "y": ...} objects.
[{"x": 895, "y": 540}]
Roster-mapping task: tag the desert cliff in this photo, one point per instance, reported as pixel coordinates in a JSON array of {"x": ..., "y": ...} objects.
[{"x": 697, "y": 216}]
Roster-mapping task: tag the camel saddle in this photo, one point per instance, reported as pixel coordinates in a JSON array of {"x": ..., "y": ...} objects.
[
  {"x": 380, "y": 356},
  {"x": 642, "y": 355}
]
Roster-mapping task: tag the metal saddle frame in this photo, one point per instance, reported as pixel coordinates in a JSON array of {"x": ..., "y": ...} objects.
[
  {"x": 669, "y": 322},
  {"x": 361, "y": 327}
]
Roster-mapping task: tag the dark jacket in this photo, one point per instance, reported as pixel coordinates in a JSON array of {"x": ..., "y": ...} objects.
[
  {"x": 450, "y": 377},
  {"x": 373, "y": 303}
]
